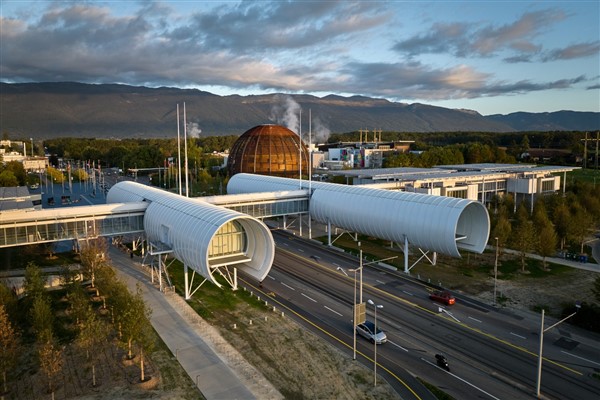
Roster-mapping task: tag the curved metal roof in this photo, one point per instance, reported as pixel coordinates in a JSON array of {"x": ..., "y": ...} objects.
[
  {"x": 189, "y": 226},
  {"x": 437, "y": 223}
]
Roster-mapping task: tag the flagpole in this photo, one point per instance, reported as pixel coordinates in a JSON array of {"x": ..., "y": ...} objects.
[{"x": 178, "y": 150}]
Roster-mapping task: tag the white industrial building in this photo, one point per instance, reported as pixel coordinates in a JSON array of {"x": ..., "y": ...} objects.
[{"x": 480, "y": 182}]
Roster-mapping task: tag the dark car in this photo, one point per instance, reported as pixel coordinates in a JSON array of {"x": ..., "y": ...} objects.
[
  {"x": 443, "y": 296},
  {"x": 367, "y": 330}
]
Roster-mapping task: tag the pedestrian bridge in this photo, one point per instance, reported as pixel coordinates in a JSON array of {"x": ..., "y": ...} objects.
[{"x": 20, "y": 228}]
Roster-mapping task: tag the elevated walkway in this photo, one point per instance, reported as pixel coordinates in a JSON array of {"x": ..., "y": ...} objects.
[
  {"x": 70, "y": 223},
  {"x": 20, "y": 228},
  {"x": 264, "y": 205}
]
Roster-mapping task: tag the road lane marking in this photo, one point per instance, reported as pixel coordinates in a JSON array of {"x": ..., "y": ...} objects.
[
  {"x": 581, "y": 358},
  {"x": 333, "y": 311},
  {"x": 378, "y": 281},
  {"x": 269, "y": 276},
  {"x": 336, "y": 264},
  {"x": 408, "y": 293},
  {"x": 398, "y": 346},
  {"x": 519, "y": 336},
  {"x": 310, "y": 298},
  {"x": 461, "y": 379},
  {"x": 287, "y": 286},
  {"x": 475, "y": 319},
  {"x": 300, "y": 250}
]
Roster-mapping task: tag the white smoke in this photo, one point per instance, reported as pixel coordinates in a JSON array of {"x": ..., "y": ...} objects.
[
  {"x": 286, "y": 112},
  {"x": 320, "y": 133},
  {"x": 193, "y": 130}
]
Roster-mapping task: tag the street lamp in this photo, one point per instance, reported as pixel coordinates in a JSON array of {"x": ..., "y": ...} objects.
[
  {"x": 355, "y": 309},
  {"x": 542, "y": 330},
  {"x": 375, "y": 306},
  {"x": 355, "y": 306},
  {"x": 31, "y": 147},
  {"x": 495, "y": 270}
]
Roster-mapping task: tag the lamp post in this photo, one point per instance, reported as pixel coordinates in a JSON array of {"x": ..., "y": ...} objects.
[
  {"x": 542, "y": 330},
  {"x": 355, "y": 311},
  {"x": 495, "y": 270},
  {"x": 375, "y": 306},
  {"x": 31, "y": 147}
]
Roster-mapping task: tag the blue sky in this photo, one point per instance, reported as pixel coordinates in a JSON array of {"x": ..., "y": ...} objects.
[{"x": 494, "y": 57}]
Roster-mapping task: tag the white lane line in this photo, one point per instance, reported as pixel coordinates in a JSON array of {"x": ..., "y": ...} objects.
[
  {"x": 336, "y": 264},
  {"x": 461, "y": 379},
  {"x": 269, "y": 276},
  {"x": 286, "y": 244},
  {"x": 519, "y": 336},
  {"x": 378, "y": 281},
  {"x": 287, "y": 286},
  {"x": 408, "y": 293},
  {"x": 475, "y": 319},
  {"x": 300, "y": 250},
  {"x": 398, "y": 346},
  {"x": 311, "y": 299},
  {"x": 581, "y": 358},
  {"x": 333, "y": 311}
]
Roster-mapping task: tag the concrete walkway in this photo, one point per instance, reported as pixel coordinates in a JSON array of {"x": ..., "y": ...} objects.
[
  {"x": 218, "y": 370},
  {"x": 589, "y": 266}
]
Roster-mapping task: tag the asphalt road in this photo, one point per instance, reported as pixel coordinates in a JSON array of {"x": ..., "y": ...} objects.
[{"x": 492, "y": 354}]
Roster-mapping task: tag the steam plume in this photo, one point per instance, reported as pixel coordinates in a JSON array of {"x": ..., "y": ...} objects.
[
  {"x": 285, "y": 112},
  {"x": 193, "y": 130}
]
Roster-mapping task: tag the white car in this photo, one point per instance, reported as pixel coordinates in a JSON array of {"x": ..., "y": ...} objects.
[{"x": 367, "y": 330}]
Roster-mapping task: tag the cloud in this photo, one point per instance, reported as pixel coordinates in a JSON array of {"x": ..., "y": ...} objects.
[
  {"x": 414, "y": 80},
  {"x": 228, "y": 45},
  {"x": 263, "y": 27},
  {"x": 464, "y": 40},
  {"x": 580, "y": 50},
  {"x": 284, "y": 46}
]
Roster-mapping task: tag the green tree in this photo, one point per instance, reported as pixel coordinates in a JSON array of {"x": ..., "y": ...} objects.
[
  {"x": 17, "y": 170},
  {"x": 92, "y": 335},
  {"x": 42, "y": 318},
  {"x": 502, "y": 230},
  {"x": 561, "y": 218},
  {"x": 133, "y": 318},
  {"x": 79, "y": 304},
  {"x": 8, "y": 179},
  {"x": 55, "y": 175},
  {"x": 546, "y": 243},
  {"x": 581, "y": 224},
  {"x": 8, "y": 299},
  {"x": 9, "y": 346},
  {"x": 523, "y": 239},
  {"x": 94, "y": 253},
  {"x": 50, "y": 357},
  {"x": 34, "y": 283}
]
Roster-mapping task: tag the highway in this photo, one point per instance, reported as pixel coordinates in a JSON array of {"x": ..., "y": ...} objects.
[{"x": 492, "y": 353}]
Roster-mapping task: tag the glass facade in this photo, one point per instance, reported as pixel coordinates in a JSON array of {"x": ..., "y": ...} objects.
[
  {"x": 229, "y": 240},
  {"x": 272, "y": 209},
  {"x": 75, "y": 228}
]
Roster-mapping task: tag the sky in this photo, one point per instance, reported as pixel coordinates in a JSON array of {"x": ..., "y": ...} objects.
[{"x": 494, "y": 57}]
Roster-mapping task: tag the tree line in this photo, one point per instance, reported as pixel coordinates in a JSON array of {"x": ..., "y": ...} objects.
[{"x": 101, "y": 313}]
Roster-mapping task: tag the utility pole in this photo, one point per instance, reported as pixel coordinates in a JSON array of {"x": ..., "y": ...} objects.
[{"x": 585, "y": 141}]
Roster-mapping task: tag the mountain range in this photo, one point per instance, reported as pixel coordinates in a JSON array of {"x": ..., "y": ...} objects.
[{"x": 69, "y": 109}]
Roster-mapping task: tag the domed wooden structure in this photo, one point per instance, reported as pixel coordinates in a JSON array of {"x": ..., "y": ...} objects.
[{"x": 268, "y": 150}]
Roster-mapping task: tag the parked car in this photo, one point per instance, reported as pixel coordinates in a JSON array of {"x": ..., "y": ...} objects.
[
  {"x": 367, "y": 330},
  {"x": 443, "y": 296}
]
